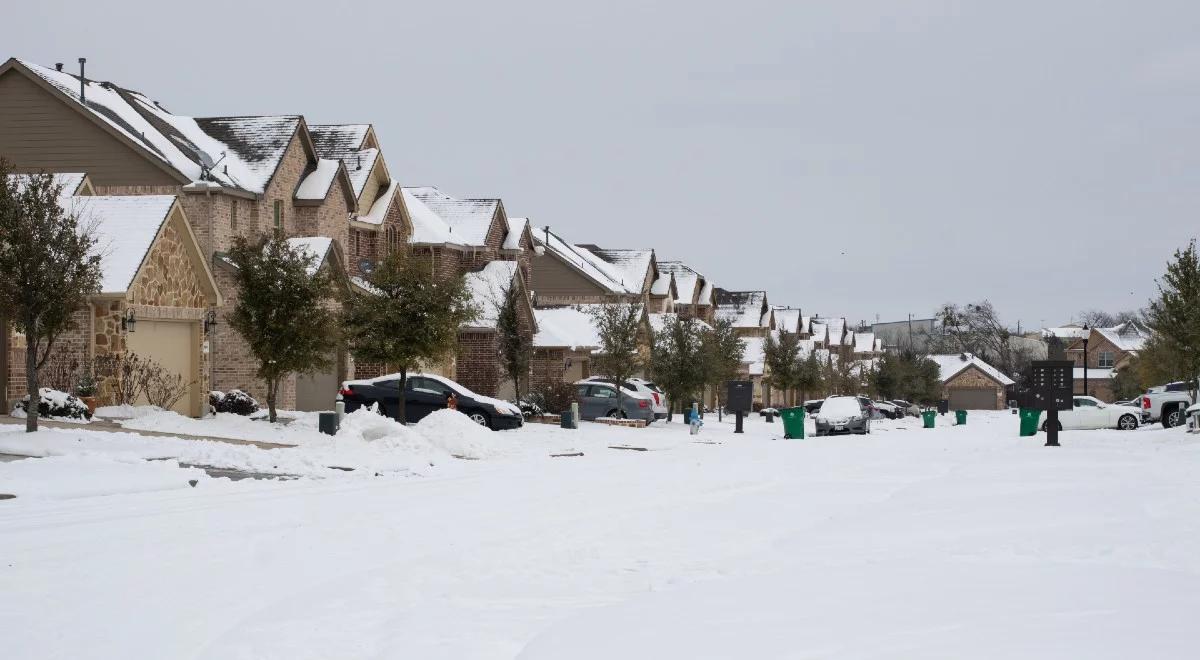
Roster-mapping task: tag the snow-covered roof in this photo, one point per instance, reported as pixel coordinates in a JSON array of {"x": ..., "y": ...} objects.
[
  {"x": 70, "y": 182},
  {"x": 440, "y": 218},
  {"x": 316, "y": 185},
  {"x": 952, "y": 365},
  {"x": 662, "y": 284},
  {"x": 591, "y": 266},
  {"x": 516, "y": 228},
  {"x": 565, "y": 327},
  {"x": 379, "y": 208},
  {"x": 754, "y": 355},
  {"x": 487, "y": 288},
  {"x": 743, "y": 308},
  {"x": 633, "y": 265},
  {"x": 252, "y": 146},
  {"x": 125, "y": 227},
  {"x": 820, "y": 332},
  {"x": 788, "y": 318},
  {"x": 837, "y": 330},
  {"x": 686, "y": 279},
  {"x": 865, "y": 342},
  {"x": 338, "y": 141},
  {"x": 1127, "y": 336},
  {"x": 316, "y": 247}
]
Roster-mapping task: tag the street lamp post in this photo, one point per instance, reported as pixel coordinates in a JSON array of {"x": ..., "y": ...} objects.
[{"x": 1086, "y": 334}]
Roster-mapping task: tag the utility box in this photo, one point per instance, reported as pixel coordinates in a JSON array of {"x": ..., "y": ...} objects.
[
  {"x": 739, "y": 396},
  {"x": 327, "y": 423}
]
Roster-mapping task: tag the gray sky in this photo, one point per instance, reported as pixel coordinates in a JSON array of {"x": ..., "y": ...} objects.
[{"x": 852, "y": 158}]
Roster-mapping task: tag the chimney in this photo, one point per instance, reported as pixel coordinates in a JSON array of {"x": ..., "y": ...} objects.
[
  {"x": 58, "y": 66},
  {"x": 82, "y": 81}
]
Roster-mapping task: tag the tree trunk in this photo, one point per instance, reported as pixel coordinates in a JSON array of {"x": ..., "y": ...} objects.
[
  {"x": 401, "y": 414},
  {"x": 272, "y": 393},
  {"x": 31, "y": 382}
]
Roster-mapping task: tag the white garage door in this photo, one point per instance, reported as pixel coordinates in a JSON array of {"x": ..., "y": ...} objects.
[{"x": 171, "y": 344}]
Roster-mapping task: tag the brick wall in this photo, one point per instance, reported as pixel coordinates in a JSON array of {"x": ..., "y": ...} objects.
[
  {"x": 477, "y": 362},
  {"x": 973, "y": 379}
]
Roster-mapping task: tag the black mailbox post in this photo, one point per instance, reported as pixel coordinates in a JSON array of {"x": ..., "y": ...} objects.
[
  {"x": 739, "y": 398},
  {"x": 1050, "y": 387}
]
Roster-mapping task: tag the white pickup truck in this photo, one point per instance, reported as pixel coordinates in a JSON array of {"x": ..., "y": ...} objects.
[{"x": 1166, "y": 403}]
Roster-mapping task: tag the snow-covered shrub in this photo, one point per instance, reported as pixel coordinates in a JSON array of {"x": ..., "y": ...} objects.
[
  {"x": 530, "y": 408},
  {"x": 55, "y": 403},
  {"x": 233, "y": 401}
]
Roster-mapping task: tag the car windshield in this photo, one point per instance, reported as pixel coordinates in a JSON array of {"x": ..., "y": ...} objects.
[{"x": 841, "y": 406}]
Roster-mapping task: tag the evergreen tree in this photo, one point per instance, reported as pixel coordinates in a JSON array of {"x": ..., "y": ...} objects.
[
  {"x": 1174, "y": 317},
  {"x": 619, "y": 326},
  {"x": 676, "y": 363},
  {"x": 808, "y": 375},
  {"x": 781, "y": 352},
  {"x": 410, "y": 317},
  {"x": 721, "y": 350},
  {"x": 282, "y": 311},
  {"x": 516, "y": 345},
  {"x": 48, "y": 268}
]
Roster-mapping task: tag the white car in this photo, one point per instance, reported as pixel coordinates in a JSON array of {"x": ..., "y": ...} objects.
[
  {"x": 643, "y": 387},
  {"x": 1088, "y": 412}
]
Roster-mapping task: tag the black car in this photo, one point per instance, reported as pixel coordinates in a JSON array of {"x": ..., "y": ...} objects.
[{"x": 425, "y": 393}]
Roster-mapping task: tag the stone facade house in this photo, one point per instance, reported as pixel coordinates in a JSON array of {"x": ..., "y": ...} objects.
[
  {"x": 157, "y": 298},
  {"x": 235, "y": 176},
  {"x": 969, "y": 383}
]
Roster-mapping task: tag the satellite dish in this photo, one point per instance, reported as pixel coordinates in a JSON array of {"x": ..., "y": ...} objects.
[
  {"x": 366, "y": 266},
  {"x": 205, "y": 160}
]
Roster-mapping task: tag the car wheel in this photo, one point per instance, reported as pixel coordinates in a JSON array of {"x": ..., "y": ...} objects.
[
  {"x": 480, "y": 418},
  {"x": 1127, "y": 423},
  {"x": 616, "y": 413},
  {"x": 1172, "y": 418}
]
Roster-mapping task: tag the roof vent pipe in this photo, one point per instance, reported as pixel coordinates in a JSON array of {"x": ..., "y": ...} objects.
[
  {"x": 58, "y": 66},
  {"x": 82, "y": 81}
]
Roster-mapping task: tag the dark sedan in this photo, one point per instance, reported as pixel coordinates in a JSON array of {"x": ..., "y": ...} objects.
[{"x": 425, "y": 393}]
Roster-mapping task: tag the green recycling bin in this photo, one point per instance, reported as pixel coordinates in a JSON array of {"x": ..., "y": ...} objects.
[
  {"x": 930, "y": 416},
  {"x": 960, "y": 417},
  {"x": 793, "y": 423},
  {"x": 1029, "y": 420}
]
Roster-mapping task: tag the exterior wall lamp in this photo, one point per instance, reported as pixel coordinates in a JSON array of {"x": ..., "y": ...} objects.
[
  {"x": 128, "y": 321},
  {"x": 210, "y": 320}
]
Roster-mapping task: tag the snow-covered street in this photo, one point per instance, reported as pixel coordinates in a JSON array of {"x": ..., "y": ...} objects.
[{"x": 909, "y": 543}]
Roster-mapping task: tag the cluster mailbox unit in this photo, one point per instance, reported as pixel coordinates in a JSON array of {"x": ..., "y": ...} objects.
[{"x": 1050, "y": 391}]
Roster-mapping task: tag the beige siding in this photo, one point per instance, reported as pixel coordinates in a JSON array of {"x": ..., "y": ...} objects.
[
  {"x": 39, "y": 131},
  {"x": 551, "y": 277}
]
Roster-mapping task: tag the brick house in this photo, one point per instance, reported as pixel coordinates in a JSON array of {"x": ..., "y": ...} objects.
[
  {"x": 969, "y": 383},
  {"x": 244, "y": 176},
  {"x": 156, "y": 296},
  {"x": 1108, "y": 350},
  {"x": 567, "y": 340}
]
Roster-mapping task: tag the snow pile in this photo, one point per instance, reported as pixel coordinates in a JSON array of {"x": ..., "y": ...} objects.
[
  {"x": 126, "y": 411},
  {"x": 366, "y": 425},
  {"x": 457, "y": 434},
  {"x": 66, "y": 477}
]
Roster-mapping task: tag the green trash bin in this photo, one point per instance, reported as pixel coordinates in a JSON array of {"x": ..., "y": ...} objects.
[
  {"x": 1029, "y": 421},
  {"x": 793, "y": 423},
  {"x": 930, "y": 416},
  {"x": 960, "y": 417}
]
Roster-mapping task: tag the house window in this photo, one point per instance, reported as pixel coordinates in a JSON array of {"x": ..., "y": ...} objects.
[
  {"x": 278, "y": 216},
  {"x": 233, "y": 214},
  {"x": 391, "y": 239},
  {"x": 1106, "y": 359},
  {"x": 356, "y": 243}
]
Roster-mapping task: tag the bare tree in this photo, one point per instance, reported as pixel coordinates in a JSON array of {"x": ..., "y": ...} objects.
[{"x": 976, "y": 328}]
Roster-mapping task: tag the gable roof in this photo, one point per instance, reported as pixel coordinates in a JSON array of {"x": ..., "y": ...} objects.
[
  {"x": 516, "y": 230},
  {"x": 1128, "y": 336},
  {"x": 631, "y": 265},
  {"x": 440, "y": 218},
  {"x": 686, "y": 280},
  {"x": 125, "y": 228},
  {"x": 952, "y": 365},
  {"x": 744, "y": 308},
  {"x": 338, "y": 141},
  {"x": 571, "y": 327},
  {"x": 253, "y": 147},
  {"x": 487, "y": 288},
  {"x": 788, "y": 318},
  {"x": 316, "y": 247},
  {"x": 583, "y": 261}
]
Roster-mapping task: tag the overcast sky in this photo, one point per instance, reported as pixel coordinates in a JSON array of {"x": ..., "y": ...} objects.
[{"x": 876, "y": 157}]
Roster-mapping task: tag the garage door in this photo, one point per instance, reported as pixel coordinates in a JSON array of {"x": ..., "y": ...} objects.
[
  {"x": 965, "y": 399},
  {"x": 171, "y": 344}
]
